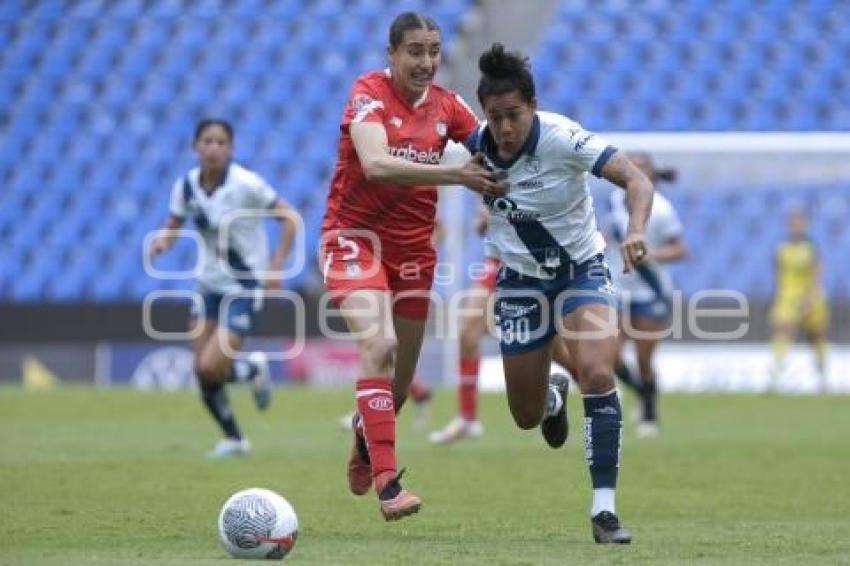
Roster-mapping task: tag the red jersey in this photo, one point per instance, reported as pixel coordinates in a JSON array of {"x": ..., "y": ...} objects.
[{"x": 399, "y": 214}]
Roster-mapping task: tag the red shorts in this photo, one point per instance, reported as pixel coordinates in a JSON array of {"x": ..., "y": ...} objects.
[
  {"x": 357, "y": 263},
  {"x": 488, "y": 277}
]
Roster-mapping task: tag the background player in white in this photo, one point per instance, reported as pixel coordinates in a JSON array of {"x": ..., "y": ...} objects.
[
  {"x": 554, "y": 278},
  {"x": 646, "y": 293},
  {"x": 229, "y": 284}
]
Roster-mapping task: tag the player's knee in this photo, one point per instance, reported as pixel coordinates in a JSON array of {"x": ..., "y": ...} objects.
[
  {"x": 526, "y": 415},
  {"x": 597, "y": 378},
  {"x": 207, "y": 371},
  {"x": 469, "y": 338},
  {"x": 527, "y": 418},
  {"x": 380, "y": 351}
]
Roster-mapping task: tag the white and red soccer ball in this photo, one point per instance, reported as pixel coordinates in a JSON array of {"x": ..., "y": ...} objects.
[{"x": 257, "y": 523}]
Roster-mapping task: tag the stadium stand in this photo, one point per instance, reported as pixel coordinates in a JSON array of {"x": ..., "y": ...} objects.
[{"x": 98, "y": 100}]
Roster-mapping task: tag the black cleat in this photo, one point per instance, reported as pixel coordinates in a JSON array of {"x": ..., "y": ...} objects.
[
  {"x": 555, "y": 429},
  {"x": 607, "y": 529}
]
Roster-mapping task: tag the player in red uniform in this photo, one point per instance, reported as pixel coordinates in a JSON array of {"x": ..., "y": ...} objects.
[{"x": 377, "y": 255}]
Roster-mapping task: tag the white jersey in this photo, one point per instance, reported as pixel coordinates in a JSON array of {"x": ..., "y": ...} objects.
[
  {"x": 546, "y": 219},
  {"x": 652, "y": 280},
  {"x": 236, "y": 264}
]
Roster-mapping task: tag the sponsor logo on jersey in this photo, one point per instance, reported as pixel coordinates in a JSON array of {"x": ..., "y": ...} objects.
[
  {"x": 530, "y": 184},
  {"x": 583, "y": 141},
  {"x": 506, "y": 208},
  {"x": 395, "y": 121},
  {"x": 441, "y": 128},
  {"x": 410, "y": 153}
]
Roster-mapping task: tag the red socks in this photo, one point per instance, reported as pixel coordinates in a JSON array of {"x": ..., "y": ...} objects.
[
  {"x": 468, "y": 388},
  {"x": 375, "y": 405}
]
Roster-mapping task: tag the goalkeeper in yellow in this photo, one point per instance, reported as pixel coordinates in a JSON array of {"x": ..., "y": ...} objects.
[{"x": 799, "y": 303}]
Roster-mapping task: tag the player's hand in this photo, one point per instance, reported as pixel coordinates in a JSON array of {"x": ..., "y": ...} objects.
[
  {"x": 477, "y": 176},
  {"x": 634, "y": 251}
]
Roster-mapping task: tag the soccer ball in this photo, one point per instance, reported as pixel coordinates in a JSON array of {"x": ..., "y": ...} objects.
[{"x": 257, "y": 523}]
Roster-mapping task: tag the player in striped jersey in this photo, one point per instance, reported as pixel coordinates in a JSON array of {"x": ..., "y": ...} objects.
[
  {"x": 646, "y": 293},
  {"x": 227, "y": 203},
  {"x": 554, "y": 278}
]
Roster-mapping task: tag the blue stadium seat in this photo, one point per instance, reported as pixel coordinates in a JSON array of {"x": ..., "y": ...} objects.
[
  {"x": 112, "y": 90},
  {"x": 127, "y": 9},
  {"x": 167, "y": 9}
]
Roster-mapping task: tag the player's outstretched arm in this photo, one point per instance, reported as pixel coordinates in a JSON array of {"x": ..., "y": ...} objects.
[
  {"x": 370, "y": 142},
  {"x": 167, "y": 235},
  {"x": 639, "y": 190},
  {"x": 285, "y": 214}
]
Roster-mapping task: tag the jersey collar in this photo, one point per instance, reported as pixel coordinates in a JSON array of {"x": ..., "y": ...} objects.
[
  {"x": 219, "y": 184},
  {"x": 528, "y": 148}
]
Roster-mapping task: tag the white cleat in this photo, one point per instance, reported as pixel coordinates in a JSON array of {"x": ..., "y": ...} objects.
[
  {"x": 457, "y": 429},
  {"x": 262, "y": 382},
  {"x": 647, "y": 429},
  {"x": 229, "y": 448}
]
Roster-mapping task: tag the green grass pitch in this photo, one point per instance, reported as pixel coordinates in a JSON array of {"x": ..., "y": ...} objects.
[{"x": 118, "y": 477}]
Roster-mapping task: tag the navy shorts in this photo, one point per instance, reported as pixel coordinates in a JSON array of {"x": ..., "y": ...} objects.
[
  {"x": 241, "y": 310},
  {"x": 659, "y": 310},
  {"x": 528, "y": 308}
]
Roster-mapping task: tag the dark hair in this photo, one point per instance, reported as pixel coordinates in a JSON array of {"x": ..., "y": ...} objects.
[
  {"x": 408, "y": 21},
  {"x": 503, "y": 72},
  {"x": 209, "y": 122}
]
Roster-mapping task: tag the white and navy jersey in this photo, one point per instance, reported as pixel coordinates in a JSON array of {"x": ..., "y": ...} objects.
[
  {"x": 545, "y": 221},
  {"x": 237, "y": 263},
  {"x": 650, "y": 280}
]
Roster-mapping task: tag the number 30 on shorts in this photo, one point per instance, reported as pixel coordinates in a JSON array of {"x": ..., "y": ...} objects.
[{"x": 515, "y": 331}]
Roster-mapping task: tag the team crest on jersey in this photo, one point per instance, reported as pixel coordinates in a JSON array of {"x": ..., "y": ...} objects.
[
  {"x": 532, "y": 163},
  {"x": 441, "y": 128},
  {"x": 395, "y": 121}
]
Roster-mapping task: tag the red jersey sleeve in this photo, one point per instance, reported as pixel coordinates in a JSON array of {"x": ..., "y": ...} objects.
[
  {"x": 464, "y": 121},
  {"x": 364, "y": 104}
]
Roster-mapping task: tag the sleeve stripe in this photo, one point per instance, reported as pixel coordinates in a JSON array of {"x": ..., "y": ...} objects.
[
  {"x": 366, "y": 110},
  {"x": 602, "y": 160}
]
